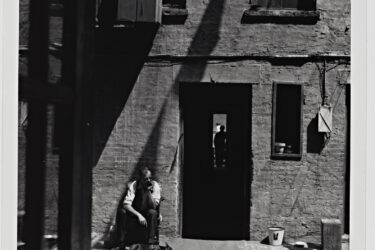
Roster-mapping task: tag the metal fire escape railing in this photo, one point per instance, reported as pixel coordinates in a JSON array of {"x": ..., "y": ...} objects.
[{"x": 75, "y": 100}]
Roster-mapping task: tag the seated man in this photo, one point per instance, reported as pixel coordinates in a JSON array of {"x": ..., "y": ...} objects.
[{"x": 141, "y": 203}]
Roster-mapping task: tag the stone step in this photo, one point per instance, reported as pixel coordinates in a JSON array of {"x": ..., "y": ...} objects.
[
  {"x": 189, "y": 244},
  {"x": 192, "y": 244}
]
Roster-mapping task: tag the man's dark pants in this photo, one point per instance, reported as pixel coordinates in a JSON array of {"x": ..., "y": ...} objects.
[{"x": 137, "y": 233}]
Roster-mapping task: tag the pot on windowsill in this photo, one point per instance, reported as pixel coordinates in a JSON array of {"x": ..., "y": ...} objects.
[
  {"x": 288, "y": 149},
  {"x": 280, "y": 147}
]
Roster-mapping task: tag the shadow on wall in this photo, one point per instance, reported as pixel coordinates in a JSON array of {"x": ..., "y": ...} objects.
[
  {"x": 114, "y": 237},
  {"x": 117, "y": 75},
  {"x": 120, "y": 56},
  {"x": 315, "y": 139},
  {"x": 204, "y": 41}
]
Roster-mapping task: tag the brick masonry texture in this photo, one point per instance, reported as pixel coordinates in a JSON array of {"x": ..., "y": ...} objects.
[
  {"x": 294, "y": 194},
  {"x": 137, "y": 118},
  {"x": 215, "y": 27}
]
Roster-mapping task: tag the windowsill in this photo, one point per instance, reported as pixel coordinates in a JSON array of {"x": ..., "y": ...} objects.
[
  {"x": 174, "y": 15},
  {"x": 280, "y": 16},
  {"x": 286, "y": 156}
]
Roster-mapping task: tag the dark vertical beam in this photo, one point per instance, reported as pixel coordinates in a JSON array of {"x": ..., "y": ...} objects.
[
  {"x": 38, "y": 41},
  {"x": 75, "y": 178},
  {"x": 37, "y": 127},
  {"x": 35, "y": 175}
]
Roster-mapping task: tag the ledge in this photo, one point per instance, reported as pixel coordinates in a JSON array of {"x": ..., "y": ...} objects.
[
  {"x": 174, "y": 15},
  {"x": 286, "y": 156},
  {"x": 280, "y": 16}
]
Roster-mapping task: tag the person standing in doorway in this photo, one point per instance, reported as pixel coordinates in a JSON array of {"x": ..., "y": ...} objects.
[{"x": 220, "y": 141}]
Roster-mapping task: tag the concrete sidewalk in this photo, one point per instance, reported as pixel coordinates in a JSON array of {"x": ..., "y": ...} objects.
[
  {"x": 189, "y": 244},
  {"x": 193, "y": 244}
]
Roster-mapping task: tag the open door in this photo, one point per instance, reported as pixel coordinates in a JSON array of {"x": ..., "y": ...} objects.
[{"x": 217, "y": 165}]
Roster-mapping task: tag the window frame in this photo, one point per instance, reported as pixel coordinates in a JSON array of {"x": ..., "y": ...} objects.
[
  {"x": 301, "y": 5},
  {"x": 274, "y": 154},
  {"x": 260, "y": 11}
]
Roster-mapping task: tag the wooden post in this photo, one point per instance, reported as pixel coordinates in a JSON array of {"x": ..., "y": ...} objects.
[
  {"x": 331, "y": 234},
  {"x": 75, "y": 176},
  {"x": 37, "y": 126}
]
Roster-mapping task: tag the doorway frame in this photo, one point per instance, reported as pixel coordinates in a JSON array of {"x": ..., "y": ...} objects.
[{"x": 181, "y": 158}]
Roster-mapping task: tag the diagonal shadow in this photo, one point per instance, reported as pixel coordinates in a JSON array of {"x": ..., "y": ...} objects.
[
  {"x": 203, "y": 43},
  {"x": 120, "y": 56},
  {"x": 150, "y": 151}
]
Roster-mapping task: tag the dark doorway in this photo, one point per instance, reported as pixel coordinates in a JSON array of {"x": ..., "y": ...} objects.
[{"x": 216, "y": 197}]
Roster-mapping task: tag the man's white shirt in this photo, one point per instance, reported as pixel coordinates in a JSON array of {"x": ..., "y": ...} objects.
[{"x": 130, "y": 195}]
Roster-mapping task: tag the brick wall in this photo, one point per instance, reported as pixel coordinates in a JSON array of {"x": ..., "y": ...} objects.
[{"x": 294, "y": 194}]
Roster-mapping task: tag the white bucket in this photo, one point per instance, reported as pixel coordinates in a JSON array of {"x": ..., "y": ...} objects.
[{"x": 275, "y": 235}]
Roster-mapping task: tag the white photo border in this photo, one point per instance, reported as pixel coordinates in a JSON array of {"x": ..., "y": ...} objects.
[{"x": 362, "y": 134}]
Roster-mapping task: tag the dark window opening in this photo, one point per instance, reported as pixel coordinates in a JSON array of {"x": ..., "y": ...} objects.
[
  {"x": 287, "y": 120},
  {"x": 129, "y": 12},
  {"x": 285, "y": 4},
  {"x": 175, "y": 3}
]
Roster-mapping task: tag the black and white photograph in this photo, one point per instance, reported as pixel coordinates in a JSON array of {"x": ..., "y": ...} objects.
[{"x": 185, "y": 125}]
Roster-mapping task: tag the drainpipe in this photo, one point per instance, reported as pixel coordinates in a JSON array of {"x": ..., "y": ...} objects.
[{"x": 324, "y": 93}]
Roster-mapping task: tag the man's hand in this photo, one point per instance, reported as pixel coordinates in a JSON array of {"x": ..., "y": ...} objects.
[{"x": 142, "y": 220}]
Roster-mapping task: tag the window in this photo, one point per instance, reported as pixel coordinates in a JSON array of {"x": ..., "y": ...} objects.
[
  {"x": 121, "y": 12},
  {"x": 284, "y": 4},
  {"x": 174, "y": 12},
  {"x": 282, "y": 11},
  {"x": 287, "y": 120},
  {"x": 175, "y": 3}
]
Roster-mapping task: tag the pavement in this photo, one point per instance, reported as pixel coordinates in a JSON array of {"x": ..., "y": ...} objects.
[{"x": 193, "y": 244}]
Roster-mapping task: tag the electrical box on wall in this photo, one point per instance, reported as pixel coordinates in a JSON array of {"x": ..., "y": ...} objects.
[
  {"x": 147, "y": 11},
  {"x": 325, "y": 119}
]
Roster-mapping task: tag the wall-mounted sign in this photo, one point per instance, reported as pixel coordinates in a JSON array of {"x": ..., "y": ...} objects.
[{"x": 325, "y": 119}]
